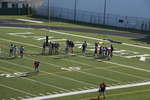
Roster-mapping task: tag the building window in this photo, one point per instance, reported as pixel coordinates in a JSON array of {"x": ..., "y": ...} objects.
[
  {"x": 4, "y": 4},
  {"x": 23, "y": 6},
  {"x": 14, "y": 5}
]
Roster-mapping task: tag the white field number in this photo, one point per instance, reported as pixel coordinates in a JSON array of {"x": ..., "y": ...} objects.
[
  {"x": 70, "y": 68},
  {"x": 10, "y": 75}
]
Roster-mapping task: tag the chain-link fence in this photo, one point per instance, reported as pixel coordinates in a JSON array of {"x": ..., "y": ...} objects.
[{"x": 97, "y": 18}]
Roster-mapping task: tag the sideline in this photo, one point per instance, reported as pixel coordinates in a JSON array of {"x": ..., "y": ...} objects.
[
  {"x": 132, "y": 45},
  {"x": 118, "y": 94},
  {"x": 27, "y": 20},
  {"x": 88, "y": 91}
]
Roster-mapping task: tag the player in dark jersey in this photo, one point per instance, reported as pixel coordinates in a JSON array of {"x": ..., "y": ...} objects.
[
  {"x": 44, "y": 47},
  {"x": 112, "y": 49},
  {"x": 21, "y": 51},
  {"x": 102, "y": 89},
  {"x": 96, "y": 49},
  {"x": 36, "y": 66},
  {"x": 84, "y": 46},
  {"x": 11, "y": 50}
]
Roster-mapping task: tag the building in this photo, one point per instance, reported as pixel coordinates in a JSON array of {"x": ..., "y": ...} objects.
[
  {"x": 121, "y": 13},
  {"x": 19, "y": 7},
  {"x": 13, "y": 3}
]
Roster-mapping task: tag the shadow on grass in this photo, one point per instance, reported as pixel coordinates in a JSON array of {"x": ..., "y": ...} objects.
[
  {"x": 29, "y": 74},
  {"x": 8, "y": 58},
  {"x": 146, "y": 39},
  {"x": 94, "y": 99}
]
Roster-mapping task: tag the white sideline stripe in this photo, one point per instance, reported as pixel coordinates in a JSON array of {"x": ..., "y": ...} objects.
[
  {"x": 88, "y": 91},
  {"x": 28, "y": 20},
  {"x": 132, "y": 45},
  {"x": 17, "y": 90},
  {"x": 78, "y": 35}
]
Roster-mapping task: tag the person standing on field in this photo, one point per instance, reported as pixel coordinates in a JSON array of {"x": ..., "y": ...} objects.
[
  {"x": 84, "y": 46},
  {"x": 102, "y": 90},
  {"x": 36, "y": 66},
  {"x": 21, "y": 51},
  {"x": 11, "y": 50}
]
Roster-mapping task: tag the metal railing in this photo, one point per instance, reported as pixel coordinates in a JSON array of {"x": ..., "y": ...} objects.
[{"x": 97, "y": 18}]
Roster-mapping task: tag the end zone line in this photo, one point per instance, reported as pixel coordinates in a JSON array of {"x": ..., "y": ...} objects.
[{"x": 88, "y": 91}]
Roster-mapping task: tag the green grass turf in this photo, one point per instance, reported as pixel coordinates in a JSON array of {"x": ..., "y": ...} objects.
[{"x": 53, "y": 80}]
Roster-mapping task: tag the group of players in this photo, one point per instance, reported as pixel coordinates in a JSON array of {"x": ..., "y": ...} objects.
[
  {"x": 99, "y": 50},
  {"x": 14, "y": 51},
  {"x": 103, "y": 50},
  {"x": 52, "y": 47},
  {"x": 69, "y": 46}
]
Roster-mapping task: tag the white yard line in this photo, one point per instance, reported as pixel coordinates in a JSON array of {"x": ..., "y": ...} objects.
[
  {"x": 27, "y": 44},
  {"x": 100, "y": 76},
  {"x": 40, "y": 82},
  {"x": 60, "y": 76},
  {"x": 88, "y": 91},
  {"x": 132, "y": 45},
  {"x": 73, "y": 61},
  {"x": 28, "y": 20},
  {"x": 21, "y": 91},
  {"x": 131, "y": 75},
  {"x": 108, "y": 70},
  {"x": 90, "y": 74},
  {"x": 127, "y": 66}
]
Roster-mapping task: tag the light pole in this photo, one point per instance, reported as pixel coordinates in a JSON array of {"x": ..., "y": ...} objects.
[
  {"x": 48, "y": 11},
  {"x": 105, "y": 5},
  {"x": 75, "y": 10}
]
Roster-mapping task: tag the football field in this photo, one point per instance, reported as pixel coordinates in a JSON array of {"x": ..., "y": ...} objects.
[{"x": 63, "y": 75}]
